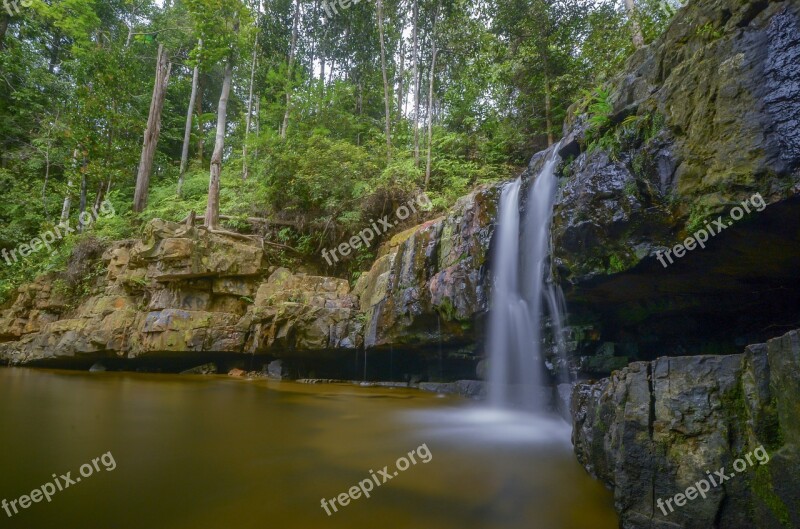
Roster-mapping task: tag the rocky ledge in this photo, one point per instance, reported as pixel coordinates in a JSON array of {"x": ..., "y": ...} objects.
[
  {"x": 654, "y": 429},
  {"x": 183, "y": 291}
]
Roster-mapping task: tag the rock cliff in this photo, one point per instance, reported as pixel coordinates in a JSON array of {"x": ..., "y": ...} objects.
[
  {"x": 654, "y": 429},
  {"x": 704, "y": 118},
  {"x": 182, "y": 290}
]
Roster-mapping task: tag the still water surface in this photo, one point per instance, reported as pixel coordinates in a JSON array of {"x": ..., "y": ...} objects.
[{"x": 219, "y": 453}]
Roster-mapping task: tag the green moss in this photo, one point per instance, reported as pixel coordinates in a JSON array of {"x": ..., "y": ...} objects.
[
  {"x": 619, "y": 262},
  {"x": 447, "y": 310},
  {"x": 708, "y": 32},
  {"x": 761, "y": 485},
  {"x": 615, "y": 264}
]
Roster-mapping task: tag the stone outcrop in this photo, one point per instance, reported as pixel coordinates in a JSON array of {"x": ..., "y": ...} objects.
[
  {"x": 182, "y": 290},
  {"x": 429, "y": 284},
  {"x": 711, "y": 115},
  {"x": 654, "y": 429},
  {"x": 701, "y": 120}
]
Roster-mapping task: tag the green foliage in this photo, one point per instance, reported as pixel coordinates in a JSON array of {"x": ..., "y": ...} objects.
[
  {"x": 78, "y": 78},
  {"x": 630, "y": 133},
  {"x": 708, "y": 32}
]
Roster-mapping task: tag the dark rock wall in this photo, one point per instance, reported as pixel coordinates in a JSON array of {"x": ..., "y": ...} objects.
[{"x": 654, "y": 429}]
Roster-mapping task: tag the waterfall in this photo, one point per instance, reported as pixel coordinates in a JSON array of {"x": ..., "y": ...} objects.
[{"x": 522, "y": 290}]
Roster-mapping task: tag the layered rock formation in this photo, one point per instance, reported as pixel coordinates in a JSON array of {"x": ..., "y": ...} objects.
[
  {"x": 655, "y": 428},
  {"x": 182, "y": 290}
]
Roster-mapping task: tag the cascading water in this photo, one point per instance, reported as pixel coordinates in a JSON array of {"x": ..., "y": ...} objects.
[{"x": 521, "y": 291}]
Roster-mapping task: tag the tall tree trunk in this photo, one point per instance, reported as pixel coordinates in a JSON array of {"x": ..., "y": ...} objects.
[
  {"x": 55, "y": 52},
  {"x": 258, "y": 124},
  {"x": 290, "y": 70},
  {"x": 201, "y": 139},
  {"x": 3, "y": 29},
  {"x": 548, "y": 105},
  {"x": 101, "y": 193},
  {"x": 638, "y": 38},
  {"x": 434, "y": 53},
  {"x": 212, "y": 211},
  {"x": 249, "y": 118},
  {"x": 415, "y": 38},
  {"x": 82, "y": 202},
  {"x": 187, "y": 133},
  {"x": 163, "y": 68},
  {"x": 68, "y": 198},
  {"x": 401, "y": 82},
  {"x": 46, "y": 179},
  {"x": 321, "y": 85},
  {"x": 386, "y": 98}
]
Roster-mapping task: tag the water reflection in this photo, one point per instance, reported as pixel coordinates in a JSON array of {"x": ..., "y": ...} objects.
[{"x": 217, "y": 453}]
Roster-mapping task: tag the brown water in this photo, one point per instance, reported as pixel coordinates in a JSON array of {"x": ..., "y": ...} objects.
[{"x": 218, "y": 453}]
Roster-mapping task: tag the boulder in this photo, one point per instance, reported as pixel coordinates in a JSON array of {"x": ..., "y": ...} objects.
[{"x": 205, "y": 369}]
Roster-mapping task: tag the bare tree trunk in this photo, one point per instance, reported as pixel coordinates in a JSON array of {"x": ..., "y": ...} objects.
[
  {"x": 187, "y": 133},
  {"x": 82, "y": 203},
  {"x": 416, "y": 82},
  {"x": 249, "y": 119},
  {"x": 101, "y": 192},
  {"x": 386, "y": 97},
  {"x": 321, "y": 84},
  {"x": 201, "y": 141},
  {"x": 258, "y": 124},
  {"x": 548, "y": 105},
  {"x": 3, "y": 29},
  {"x": 68, "y": 198},
  {"x": 212, "y": 211},
  {"x": 434, "y": 53},
  {"x": 401, "y": 82},
  {"x": 638, "y": 38},
  {"x": 289, "y": 74},
  {"x": 163, "y": 68}
]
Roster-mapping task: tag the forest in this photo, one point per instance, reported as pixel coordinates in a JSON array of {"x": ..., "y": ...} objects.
[{"x": 297, "y": 120}]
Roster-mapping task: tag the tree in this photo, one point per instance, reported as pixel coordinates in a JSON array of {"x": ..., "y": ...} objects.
[
  {"x": 415, "y": 38},
  {"x": 432, "y": 79},
  {"x": 187, "y": 133},
  {"x": 249, "y": 117},
  {"x": 153, "y": 130},
  {"x": 638, "y": 38},
  {"x": 212, "y": 210},
  {"x": 386, "y": 92},
  {"x": 290, "y": 69}
]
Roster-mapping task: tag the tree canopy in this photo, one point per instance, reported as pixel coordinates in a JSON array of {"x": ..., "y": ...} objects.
[{"x": 469, "y": 88}]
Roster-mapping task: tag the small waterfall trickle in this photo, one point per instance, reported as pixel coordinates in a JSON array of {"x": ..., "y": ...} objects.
[{"x": 522, "y": 290}]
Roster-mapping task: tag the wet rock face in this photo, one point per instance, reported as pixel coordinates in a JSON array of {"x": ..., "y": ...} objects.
[
  {"x": 183, "y": 290},
  {"x": 653, "y": 429},
  {"x": 721, "y": 91},
  {"x": 430, "y": 283},
  {"x": 702, "y": 119}
]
